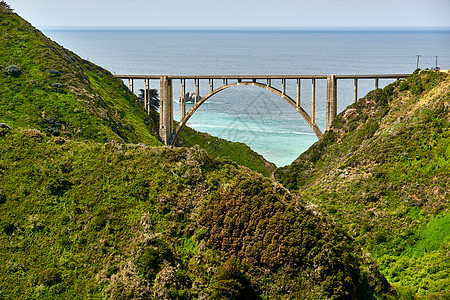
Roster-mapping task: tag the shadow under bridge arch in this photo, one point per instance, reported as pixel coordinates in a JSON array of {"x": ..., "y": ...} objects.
[{"x": 299, "y": 109}]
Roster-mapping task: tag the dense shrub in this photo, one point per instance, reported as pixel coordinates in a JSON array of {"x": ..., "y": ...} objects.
[
  {"x": 5, "y": 5},
  {"x": 51, "y": 277},
  {"x": 100, "y": 220},
  {"x": 255, "y": 225},
  {"x": 54, "y": 73},
  {"x": 4, "y": 129},
  {"x": 13, "y": 71},
  {"x": 151, "y": 261},
  {"x": 9, "y": 229},
  {"x": 113, "y": 269},
  {"x": 52, "y": 125},
  {"x": 403, "y": 86},
  {"x": 58, "y": 186},
  {"x": 230, "y": 283},
  {"x": 2, "y": 196}
]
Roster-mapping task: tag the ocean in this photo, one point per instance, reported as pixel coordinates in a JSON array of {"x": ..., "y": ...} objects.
[{"x": 255, "y": 116}]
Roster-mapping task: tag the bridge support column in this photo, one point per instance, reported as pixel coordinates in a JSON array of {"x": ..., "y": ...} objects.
[
  {"x": 313, "y": 101},
  {"x": 146, "y": 106},
  {"x": 331, "y": 100},
  {"x": 197, "y": 90},
  {"x": 183, "y": 99},
  {"x": 166, "y": 109}
]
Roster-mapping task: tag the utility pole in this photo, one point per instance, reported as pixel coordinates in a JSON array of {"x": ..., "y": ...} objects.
[
  {"x": 436, "y": 63},
  {"x": 418, "y": 58}
]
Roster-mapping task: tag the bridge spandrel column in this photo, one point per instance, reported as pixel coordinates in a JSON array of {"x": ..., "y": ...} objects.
[
  {"x": 166, "y": 109},
  {"x": 313, "y": 101},
  {"x": 331, "y": 100}
]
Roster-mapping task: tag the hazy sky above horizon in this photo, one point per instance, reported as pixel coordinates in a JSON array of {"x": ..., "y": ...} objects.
[{"x": 141, "y": 13}]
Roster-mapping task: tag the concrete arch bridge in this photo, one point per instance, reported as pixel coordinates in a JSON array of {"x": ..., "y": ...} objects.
[{"x": 169, "y": 134}]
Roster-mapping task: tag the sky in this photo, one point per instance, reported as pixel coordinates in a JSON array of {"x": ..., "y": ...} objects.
[{"x": 270, "y": 13}]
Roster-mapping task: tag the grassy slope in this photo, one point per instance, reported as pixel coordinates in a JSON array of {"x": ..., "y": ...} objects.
[
  {"x": 55, "y": 84},
  {"x": 217, "y": 147},
  {"x": 94, "y": 220},
  {"x": 58, "y": 90},
  {"x": 383, "y": 171}
]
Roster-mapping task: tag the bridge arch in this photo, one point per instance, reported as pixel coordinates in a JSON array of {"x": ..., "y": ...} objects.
[{"x": 276, "y": 91}]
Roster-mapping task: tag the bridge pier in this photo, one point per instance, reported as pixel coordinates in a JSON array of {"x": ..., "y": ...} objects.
[
  {"x": 313, "y": 102},
  {"x": 331, "y": 100},
  {"x": 166, "y": 110}
]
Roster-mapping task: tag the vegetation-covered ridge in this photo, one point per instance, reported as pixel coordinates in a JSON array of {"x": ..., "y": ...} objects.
[
  {"x": 123, "y": 221},
  {"x": 383, "y": 171},
  {"x": 217, "y": 147},
  {"x": 46, "y": 87}
]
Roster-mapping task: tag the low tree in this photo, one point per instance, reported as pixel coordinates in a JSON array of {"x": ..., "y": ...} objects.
[
  {"x": 152, "y": 97},
  {"x": 5, "y": 5}
]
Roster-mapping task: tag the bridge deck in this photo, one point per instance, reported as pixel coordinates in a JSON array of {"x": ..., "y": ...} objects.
[{"x": 251, "y": 77}]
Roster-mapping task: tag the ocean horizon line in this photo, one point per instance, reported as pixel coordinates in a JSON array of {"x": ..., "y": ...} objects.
[{"x": 253, "y": 28}]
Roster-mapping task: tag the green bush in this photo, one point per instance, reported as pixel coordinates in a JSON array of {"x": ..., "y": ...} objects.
[
  {"x": 4, "y": 129},
  {"x": 2, "y": 196},
  {"x": 52, "y": 125},
  {"x": 403, "y": 86},
  {"x": 113, "y": 269},
  {"x": 9, "y": 229},
  {"x": 230, "y": 283},
  {"x": 51, "y": 277},
  {"x": 98, "y": 222},
  {"x": 380, "y": 238},
  {"x": 5, "y": 5},
  {"x": 13, "y": 71},
  {"x": 150, "y": 263}
]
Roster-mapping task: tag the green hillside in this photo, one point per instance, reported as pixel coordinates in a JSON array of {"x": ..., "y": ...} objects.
[
  {"x": 383, "y": 171},
  {"x": 217, "y": 147},
  {"x": 48, "y": 87},
  {"x": 44, "y": 86},
  {"x": 93, "y": 207},
  {"x": 95, "y": 220}
]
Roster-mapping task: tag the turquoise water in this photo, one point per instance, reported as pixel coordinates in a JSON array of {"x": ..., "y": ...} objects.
[{"x": 262, "y": 120}]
